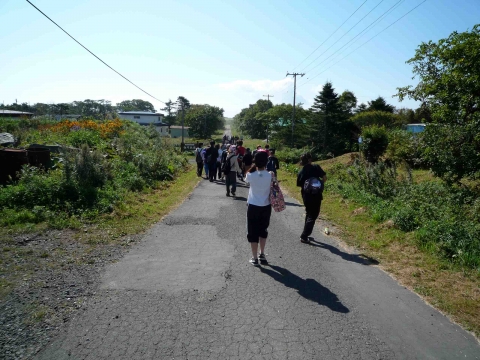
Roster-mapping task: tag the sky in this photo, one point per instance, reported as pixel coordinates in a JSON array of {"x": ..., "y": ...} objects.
[{"x": 224, "y": 53}]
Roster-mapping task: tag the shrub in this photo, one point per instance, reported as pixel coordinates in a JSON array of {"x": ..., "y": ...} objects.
[
  {"x": 376, "y": 118},
  {"x": 375, "y": 142},
  {"x": 405, "y": 147},
  {"x": 80, "y": 137},
  {"x": 290, "y": 156}
]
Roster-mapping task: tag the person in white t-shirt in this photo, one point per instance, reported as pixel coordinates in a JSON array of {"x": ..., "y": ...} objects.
[{"x": 259, "y": 208}]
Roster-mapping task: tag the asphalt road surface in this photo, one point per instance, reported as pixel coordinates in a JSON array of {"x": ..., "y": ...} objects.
[{"x": 187, "y": 291}]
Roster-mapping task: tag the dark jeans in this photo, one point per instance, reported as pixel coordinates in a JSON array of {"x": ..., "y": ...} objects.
[
  {"x": 258, "y": 220},
  {"x": 212, "y": 173},
  {"x": 199, "y": 168},
  {"x": 219, "y": 169},
  {"x": 231, "y": 180},
  {"x": 312, "y": 210}
]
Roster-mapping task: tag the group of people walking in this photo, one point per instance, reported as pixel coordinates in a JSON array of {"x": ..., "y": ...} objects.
[{"x": 228, "y": 162}]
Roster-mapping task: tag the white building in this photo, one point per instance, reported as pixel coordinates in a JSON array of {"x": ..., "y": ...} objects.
[{"x": 146, "y": 118}]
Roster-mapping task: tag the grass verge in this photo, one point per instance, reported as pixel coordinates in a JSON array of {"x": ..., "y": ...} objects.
[{"x": 451, "y": 289}]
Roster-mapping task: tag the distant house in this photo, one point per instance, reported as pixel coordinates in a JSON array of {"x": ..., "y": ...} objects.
[
  {"x": 176, "y": 131},
  {"x": 146, "y": 118},
  {"x": 15, "y": 114},
  {"x": 415, "y": 128}
]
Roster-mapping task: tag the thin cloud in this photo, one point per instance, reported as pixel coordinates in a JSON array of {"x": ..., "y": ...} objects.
[{"x": 258, "y": 85}]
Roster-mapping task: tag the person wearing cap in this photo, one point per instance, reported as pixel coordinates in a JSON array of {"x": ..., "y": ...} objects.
[
  {"x": 259, "y": 208},
  {"x": 231, "y": 177}
]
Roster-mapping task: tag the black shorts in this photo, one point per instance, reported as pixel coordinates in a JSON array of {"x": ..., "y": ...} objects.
[{"x": 258, "y": 220}]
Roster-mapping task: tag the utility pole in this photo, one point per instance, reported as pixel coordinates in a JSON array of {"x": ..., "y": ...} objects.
[
  {"x": 205, "y": 126},
  {"x": 294, "y": 93},
  {"x": 266, "y": 126},
  {"x": 268, "y": 96},
  {"x": 182, "y": 145}
]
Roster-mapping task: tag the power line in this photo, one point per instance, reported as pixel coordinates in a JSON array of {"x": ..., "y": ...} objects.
[
  {"x": 366, "y": 42},
  {"x": 369, "y": 27},
  {"x": 330, "y": 35},
  {"x": 343, "y": 35},
  {"x": 138, "y": 87}
]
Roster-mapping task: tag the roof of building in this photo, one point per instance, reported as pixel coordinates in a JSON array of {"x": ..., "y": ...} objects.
[
  {"x": 13, "y": 112},
  {"x": 139, "y": 113},
  {"x": 179, "y": 127},
  {"x": 154, "y": 124}
]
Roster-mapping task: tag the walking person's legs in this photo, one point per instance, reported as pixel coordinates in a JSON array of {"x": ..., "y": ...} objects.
[
  {"x": 199, "y": 168},
  {"x": 211, "y": 171},
  {"x": 227, "y": 183},
  {"x": 258, "y": 220},
  {"x": 312, "y": 209},
  {"x": 219, "y": 170},
  {"x": 233, "y": 181},
  {"x": 206, "y": 170}
]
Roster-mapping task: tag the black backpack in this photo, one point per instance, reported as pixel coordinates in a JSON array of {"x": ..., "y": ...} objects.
[
  {"x": 227, "y": 165},
  {"x": 313, "y": 186},
  {"x": 198, "y": 156},
  {"x": 271, "y": 164}
]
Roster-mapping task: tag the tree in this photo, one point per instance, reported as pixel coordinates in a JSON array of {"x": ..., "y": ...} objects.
[
  {"x": 378, "y": 118},
  {"x": 279, "y": 121},
  {"x": 330, "y": 123},
  {"x": 361, "y": 108},
  {"x": 169, "y": 108},
  {"x": 135, "y": 105},
  {"x": 249, "y": 122},
  {"x": 203, "y": 120},
  {"x": 379, "y": 104},
  {"x": 348, "y": 102},
  {"x": 449, "y": 87}
]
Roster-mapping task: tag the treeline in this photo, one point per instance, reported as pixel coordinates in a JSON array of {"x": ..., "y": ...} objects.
[
  {"x": 330, "y": 126},
  {"x": 448, "y": 89},
  {"x": 203, "y": 119}
]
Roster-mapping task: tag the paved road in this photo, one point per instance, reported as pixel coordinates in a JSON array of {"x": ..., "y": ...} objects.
[{"x": 187, "y": 291}]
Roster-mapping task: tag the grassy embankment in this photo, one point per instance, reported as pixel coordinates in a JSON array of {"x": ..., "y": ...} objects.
[
  {"x": 453, "y": 289},
  {"x": 141, "y": 180}
]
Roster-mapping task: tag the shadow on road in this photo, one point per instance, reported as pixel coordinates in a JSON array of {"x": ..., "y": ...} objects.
[
  {"x": 240, "y": 198},
  {"x": 356, "y": 258},
  {"x": 222, "y": 183},
  {"x": 308, "y": 288},
  {"x": 292, "y": 204}
]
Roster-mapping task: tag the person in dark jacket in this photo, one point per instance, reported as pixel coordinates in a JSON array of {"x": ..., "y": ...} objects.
[
  {"x": 312, "y": 202},
  {"x": 211, "y": 159},
  {"x": 247, "y": 160}
]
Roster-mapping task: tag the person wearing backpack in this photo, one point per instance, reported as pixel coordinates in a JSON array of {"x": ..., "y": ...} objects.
[
  {"x": 272, "y": 164},
  {"x": 199, "y": 159},
  {"x": 311, "y": 179},
  {"x": 230, "y": 169},
  {"x": 211, "y": 159}
]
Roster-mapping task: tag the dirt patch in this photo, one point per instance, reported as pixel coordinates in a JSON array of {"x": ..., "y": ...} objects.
[{"x": 55, "y": 273}]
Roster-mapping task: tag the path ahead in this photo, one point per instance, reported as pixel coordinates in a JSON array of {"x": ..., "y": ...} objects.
[{"x": 187, "y": 291}]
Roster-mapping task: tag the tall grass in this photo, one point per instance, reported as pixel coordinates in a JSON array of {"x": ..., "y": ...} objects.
[
  {"x": 444, "y": 219},
  {"x": 90, "y": 178}
]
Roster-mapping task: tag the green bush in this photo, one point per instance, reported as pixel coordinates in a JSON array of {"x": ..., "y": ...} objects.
[
  {"x": 444, "y": 219},
  {"x": 290, "y": 156},
  {"x": 405, "y": 147},
  {"x": 85, "y": 183},
  {"x": 81, "y": 137},
  {"x": 375, "y": 142}
]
